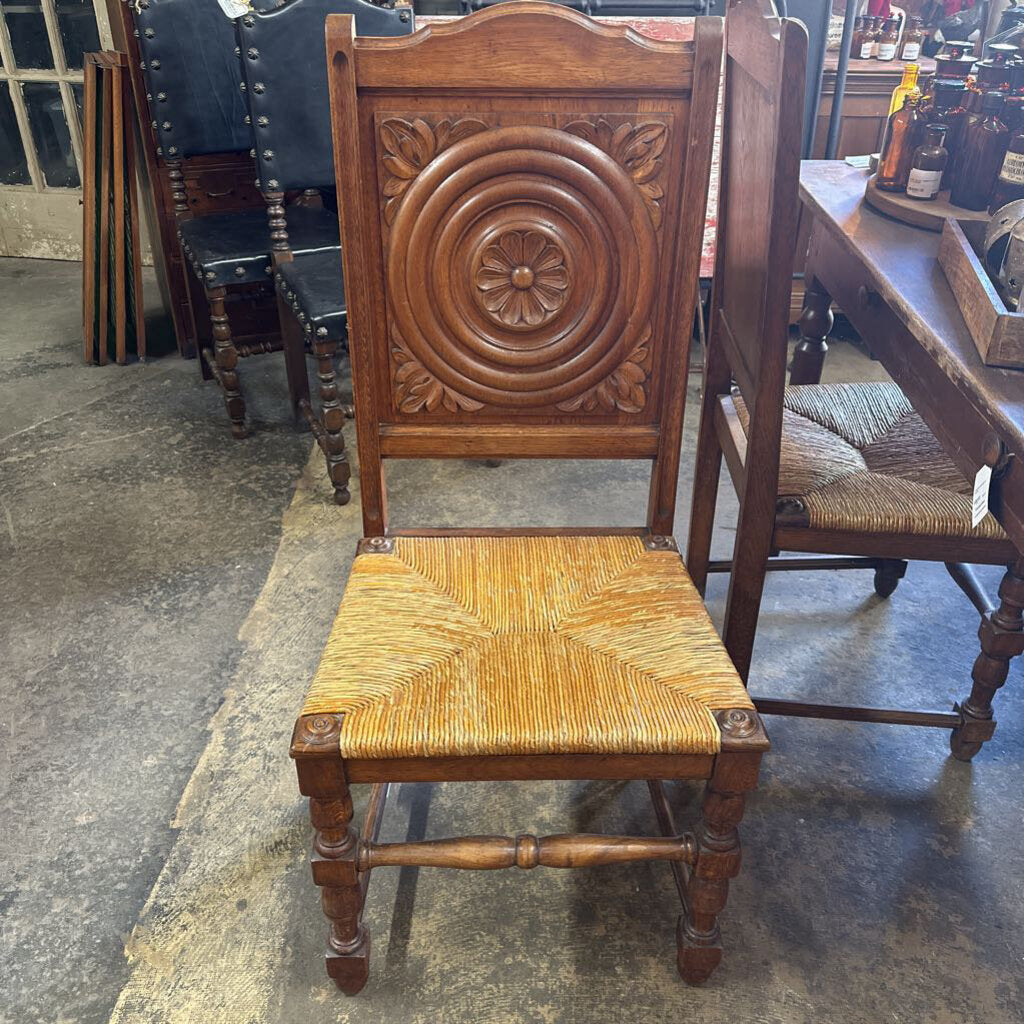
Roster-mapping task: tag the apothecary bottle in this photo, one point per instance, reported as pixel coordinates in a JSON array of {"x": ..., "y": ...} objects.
[
  {"x": 857, "y": 40},
  {"x": 888, "y": 39},
  {"x": 868, "y": 39},
  {"x": 908, "y": 83},
  {"x": 1010, "y": 182},
  {"x": 944, "y": 104},
  {"x": 927, "y": 164},
  {"x": 898, "y": 146},
  {"x": 912, "y": 39},
  {"x": 981, "y": 156}
]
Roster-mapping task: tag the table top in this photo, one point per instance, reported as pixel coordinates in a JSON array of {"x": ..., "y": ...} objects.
[{"x": 903, "y": 264}]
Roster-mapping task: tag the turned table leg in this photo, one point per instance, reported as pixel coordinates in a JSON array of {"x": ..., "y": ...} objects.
[
  {"x": 815, "y": 323},
  {"x": 1002, "y": 637}
]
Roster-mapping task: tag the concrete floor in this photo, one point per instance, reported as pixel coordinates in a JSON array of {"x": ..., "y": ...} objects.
[{"x": 164, "y": 592}]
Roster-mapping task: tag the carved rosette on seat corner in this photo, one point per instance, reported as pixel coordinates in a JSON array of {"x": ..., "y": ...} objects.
[{"x": 523, "y": 262}]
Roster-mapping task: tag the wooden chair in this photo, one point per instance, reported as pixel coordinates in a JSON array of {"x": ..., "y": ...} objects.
[
  {"x": 838, "y": 469},
  {"x": 522, "y": 251},
  {"x": 199, "y": 112},
  {"x": 286, "y": 94}
]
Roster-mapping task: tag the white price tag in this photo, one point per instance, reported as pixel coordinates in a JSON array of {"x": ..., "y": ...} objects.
[
  {"x": 979, "y": 503},
  {"x": 235, "y": 8}
]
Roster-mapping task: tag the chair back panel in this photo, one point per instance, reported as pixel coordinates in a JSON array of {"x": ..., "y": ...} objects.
[
  {"x": 286, "y": 80},
  {"x": 759, "y": 205},
  {"x": 525, "y": 194},
  {"x": 192, "y": 77}
]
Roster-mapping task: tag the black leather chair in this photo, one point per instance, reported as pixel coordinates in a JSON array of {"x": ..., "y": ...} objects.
[
  {"x": 285, "y": 74},
  {"x": 191, "y": 67}
]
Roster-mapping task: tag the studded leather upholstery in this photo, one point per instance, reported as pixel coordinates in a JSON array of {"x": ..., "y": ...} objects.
[
  {"x": 234, "y": 248},
  {"x": 286, "y": 78},
  {"x": 191, "y": 72},
  {"x": 313, "y": 286}
]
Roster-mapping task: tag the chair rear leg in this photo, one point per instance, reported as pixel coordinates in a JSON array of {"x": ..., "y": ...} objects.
[
  {"x": 888, "y": 576},
  {"x": 332, "y": 417},
  {"x": 226, "y": 360}
]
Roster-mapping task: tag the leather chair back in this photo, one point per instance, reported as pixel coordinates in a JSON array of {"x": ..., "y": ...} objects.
[
  {"x": 286, "y": 77},
  {"x": 192, "y": 79}
]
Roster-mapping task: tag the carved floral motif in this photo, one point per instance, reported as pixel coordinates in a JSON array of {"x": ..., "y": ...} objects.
[
  {"x": 410, "y": 145},
  {"x": 522, "y": 278},
  {"x": 418, "y": 390},
  {"x": 623, "y": 389},
  {"x": 635, "y": 148}
]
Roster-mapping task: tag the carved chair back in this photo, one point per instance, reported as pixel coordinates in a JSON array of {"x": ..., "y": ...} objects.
[
  {"x": 765, "y": 60},
  {"x": 525, "y": 193},
  {"x": 286, "y": 83},
  {"x": 192, "y": 81}
]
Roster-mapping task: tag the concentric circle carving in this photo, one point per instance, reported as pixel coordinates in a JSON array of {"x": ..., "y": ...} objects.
[{"x": 521, "y": 269}]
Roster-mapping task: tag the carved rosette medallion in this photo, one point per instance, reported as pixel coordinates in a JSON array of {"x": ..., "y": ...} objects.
[
  {"x": 521, "y": 263},
  {"x": 522, "y": 279}
]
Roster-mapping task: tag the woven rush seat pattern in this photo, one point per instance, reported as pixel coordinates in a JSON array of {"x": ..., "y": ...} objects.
[
  {"x": 857, "y": 457},
  {"x": 463, "y": 646}
]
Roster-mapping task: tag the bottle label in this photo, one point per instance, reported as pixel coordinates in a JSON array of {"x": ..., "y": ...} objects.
[
  {"x": 865, "y": 50},
  {"x": 911, "y": 51},
  {"x": 1012, "y": 170},
  {"x": 923, "y": 184},
  {"x": 886, "y": 51}
]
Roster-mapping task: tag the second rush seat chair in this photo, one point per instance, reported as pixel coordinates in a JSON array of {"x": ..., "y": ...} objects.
[
  {"x": 522, "y": 249},
  {"x": 844, "y": 470}
]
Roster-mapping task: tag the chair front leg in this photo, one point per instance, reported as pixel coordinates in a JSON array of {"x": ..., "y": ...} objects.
[
  {"x": 226, "y": 361},
  {"x": 698, "y": 936}
]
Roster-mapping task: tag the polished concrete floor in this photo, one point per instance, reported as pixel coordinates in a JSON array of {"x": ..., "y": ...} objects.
[{"x": 164, "y": 592}]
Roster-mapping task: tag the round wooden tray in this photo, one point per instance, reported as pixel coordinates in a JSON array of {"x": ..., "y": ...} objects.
[{"x": 921, "y": 213}]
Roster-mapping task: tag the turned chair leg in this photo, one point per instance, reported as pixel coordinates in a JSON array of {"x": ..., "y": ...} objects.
[
  {"x": 698, "y": 936},
  {"x": 334, "y": 870},
  {"x": 226, "y": 361},
  {"x": 332, "y": 414},
  {"x": 1002, "y": 637}
]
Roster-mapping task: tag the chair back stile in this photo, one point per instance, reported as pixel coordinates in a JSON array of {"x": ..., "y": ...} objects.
[
  {"x": 524, "y": 200},
  {"x": 760, "y": 169},
  {"x": 286, "y": 92}
]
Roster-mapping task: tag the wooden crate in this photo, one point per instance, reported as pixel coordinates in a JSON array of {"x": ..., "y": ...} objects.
[{"x": 997, "y": 331}]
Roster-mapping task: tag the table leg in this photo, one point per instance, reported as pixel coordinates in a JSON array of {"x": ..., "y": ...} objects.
[
  {"x": 815, "y": 323},
  {"x": 1002, "y": 637}
]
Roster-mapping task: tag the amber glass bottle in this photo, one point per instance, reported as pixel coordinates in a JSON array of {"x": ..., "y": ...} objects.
[
  {"x": 898, "y": 147},
  {"x": 1013, "y": 111},
  {"x": 858, "y": 36},
  {"x": 944, "y": 104},
  {"x": 888, "y": 39},
  {"x": 868, "y": 39},
  {"x": 927, "y": 164},
  {"x": 876, "y": 30},
  {"x": 1010, "y": 182},
  {"x": 981, "y": 156},
  {"x": 912, "y": 39}
]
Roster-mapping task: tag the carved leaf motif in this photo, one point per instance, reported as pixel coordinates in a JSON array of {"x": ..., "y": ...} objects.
[
  {"x": 410, "y": 145},
  {"x": 635, "y": 148},
  {"x": 416, "y": 389},
  {"x": 623, "y": 389}
]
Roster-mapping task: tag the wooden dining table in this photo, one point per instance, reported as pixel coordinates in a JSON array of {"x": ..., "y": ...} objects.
[{"x": 885, "y": 277}]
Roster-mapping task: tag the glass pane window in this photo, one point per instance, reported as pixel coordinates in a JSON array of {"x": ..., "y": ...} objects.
[
  {"x": 27, "y": 28},
  {"x": 50, "y": 133},
  {"x": 78, "y": 31},
  {"x": 13, "y": 165},
  {"x": 79, "y": 92}
]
